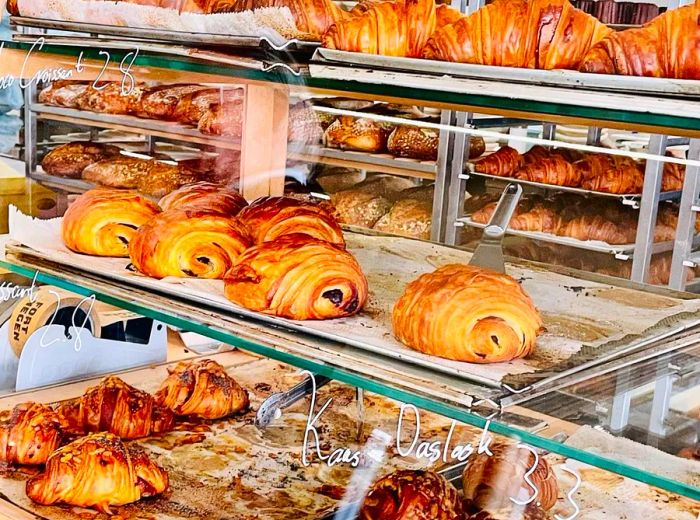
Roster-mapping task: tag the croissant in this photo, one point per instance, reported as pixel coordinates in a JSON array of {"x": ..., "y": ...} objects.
[
  {"x": 551, "y": 170},
  {"x": 192, "y": 241},
  {"x": 116, "y": 407},
  {"x": 468, "y": 314},
  {"x": 598, "y": 227},
  {"x": 102, "y": 222},
  {"x": 202, "y": 389},
  {"x": 30, "y": 433},
  {"x": 504, "y": 162},
  {"x": 388, "y": 28},
  {"x": 412, "y": 495},
  {"x": 673, "y": 177},
  {"x": 490, "y": 480},
  {"x": 269, "y": 218},
  {"x": 624, "y": 179},
  {"x": 206, "y": 195},
  {"x": 666, "y": 47},
  {"x": 97, "y": 471},
  {"x": 529, "y": 216},
  {"x": 540, "y": 34},
  {"x": 298, "y": 277}
]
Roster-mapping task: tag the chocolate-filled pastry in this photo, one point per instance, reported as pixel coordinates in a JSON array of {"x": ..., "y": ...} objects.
[
  {"x": 297, "y": 277},
  {"x": 504, "y": 162},
  {"x": 116, "y": 407},
  {"x": 102, "y": 222},
  {"x": 490, "y": 480},
  {"x": 202, "y": 389},
  {"x": 29, "y": 433},
  {"x": 97, "y": 471},
  {"x": 269, "y": 218},
  {"x": 63, "y": 93},
  {"x": 466, "y": 313},
  {"x": 357, "y": 133},
  {"x": 412, "y": 495},
  {"x": 186, "y": 242},
  {"x": 70, "y": 159},
  {"x": 161, "y": 102},
  {"x": 225, "y": 119},
  {"x": 206, "y": 195},
  {"x": 109, "y": 99},
  {"x": 192, "y": 106}
]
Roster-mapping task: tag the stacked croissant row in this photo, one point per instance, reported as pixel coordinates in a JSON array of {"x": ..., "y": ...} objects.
[
  {"x": 583, "y": 218},
  {"x": 81, "y": 442},
  {"x": 540, "y": 34},
  {"x": 561, "y": 167},
  {"x": 278, "y": 255}
]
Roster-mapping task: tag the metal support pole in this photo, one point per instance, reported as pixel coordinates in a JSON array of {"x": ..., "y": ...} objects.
[
  {"x": 648, "y": 210},
  {"x": 455, "y": 202},
  {"x": 30, "y": 130},
  {"x": 685, "y": 231},
  {"x": 663, "y": 389},
  {"x": 549, "y": 131},
  {"x": 620, "y": 411},
  {"x": 594, "y": 134},
  {"x": 442, "y": 178}
]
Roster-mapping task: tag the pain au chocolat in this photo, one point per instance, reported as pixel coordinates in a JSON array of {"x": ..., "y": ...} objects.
[
  {"x": 189, "y": 242},
  {"x": 297, "y": 277},
  {"x": 207, "y": 195},
  {"x": 102, "y": 222},
  {"x": 468, "y": 314}
]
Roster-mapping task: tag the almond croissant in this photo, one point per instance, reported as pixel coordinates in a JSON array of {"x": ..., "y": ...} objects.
[
  {"x": 539, "y": 34},
  {"x": 97, "y": 471},
  {"x": 116, "y": 407},
  {"x": 30, "y": 433},
  {"x": 202, "y": 389},
  {"x": 468, "y": 314}
]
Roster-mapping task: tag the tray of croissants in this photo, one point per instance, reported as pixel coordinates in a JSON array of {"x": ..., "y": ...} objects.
[
  {"x": 179, "y": 441},
  {"x": 528, "y": 41},
  {"x": 286, "y": 262}
]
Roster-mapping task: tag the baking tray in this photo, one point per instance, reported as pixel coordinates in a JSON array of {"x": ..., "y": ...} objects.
[
  {"x": 576, "y": 312},
  {"x": 166, "y": 129},
  {"x": 171, "y": 37},
  {"x": 556, "y": 78},
  {"x": 629, "y": 199}
]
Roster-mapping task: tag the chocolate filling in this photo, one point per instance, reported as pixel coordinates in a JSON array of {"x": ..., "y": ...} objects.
[{"x": 334, "y": 295}]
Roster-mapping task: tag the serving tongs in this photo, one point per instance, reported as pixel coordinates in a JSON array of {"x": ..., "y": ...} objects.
[
  {"x": 272, "y": 407},
  {"x": 489, "y": 252}
]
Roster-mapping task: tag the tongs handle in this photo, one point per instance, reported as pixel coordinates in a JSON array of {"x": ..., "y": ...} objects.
[
  {"x": 496, "y": 228},
  {"x": 272, "y": 406}
]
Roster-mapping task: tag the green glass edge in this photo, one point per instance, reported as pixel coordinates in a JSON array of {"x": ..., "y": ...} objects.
[
  {"x": 350, "y": 378},
  {"x": 472, "y": 100}
]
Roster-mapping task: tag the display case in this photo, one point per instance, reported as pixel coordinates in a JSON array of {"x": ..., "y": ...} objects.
[{"x": 575, "y": 395}]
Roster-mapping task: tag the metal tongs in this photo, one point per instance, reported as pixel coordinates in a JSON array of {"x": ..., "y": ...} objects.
[
  {"x": 489, "y": 252},
  {"x": 272, "y": 407}
]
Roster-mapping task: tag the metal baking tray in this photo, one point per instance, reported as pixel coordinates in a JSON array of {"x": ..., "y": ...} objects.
[
  {"x": 629, "y": 199},
  {"x": 172, "y": 37},
  {"x": 622, "y": 251},
  {"x": 166, "y": 129},
  {"x": 556, "y": 78},
  {"x": 383, "y": 161}
]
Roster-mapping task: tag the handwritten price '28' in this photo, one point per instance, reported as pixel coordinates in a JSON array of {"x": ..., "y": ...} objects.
[{"x": 128, "y": 82}]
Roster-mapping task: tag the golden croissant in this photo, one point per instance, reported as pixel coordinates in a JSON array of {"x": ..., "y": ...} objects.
[
  {"x": 621, "y": 180},
  {"x": 190, "y": 241},
  {"x": 206, "y": 195},
  {"x": 539, "y": 34},
  {"x": 116, "y": 407},
  {"x": 504, "y": 162},
  {"x": 553, "y": 169},
  {"x": 102, "y": 222},
  {"x": 388, "y": 28},
  {"x": 666, "y": 47},
  {"x": 202, "y": 389},
  {"x": 489, "y": 481},
  {"x": 97, "y": 471},
  {"x": 30, "y": 433},
  {"x": 468, "y": 314},
  {"x": 412, "y": 495},
  {"x": 298, "y": 277},
  {"x": 269, "y": 218}
]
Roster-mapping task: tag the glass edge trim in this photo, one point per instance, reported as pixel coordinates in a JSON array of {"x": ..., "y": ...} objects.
[{"x": 350, "y": 378}]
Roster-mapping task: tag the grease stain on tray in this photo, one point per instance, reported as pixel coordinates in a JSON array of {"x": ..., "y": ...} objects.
[
  {"x": 633, "y": 299},
  {"x": 576, "y": 328}
]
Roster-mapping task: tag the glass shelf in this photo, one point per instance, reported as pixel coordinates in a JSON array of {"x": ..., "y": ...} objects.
[
  {"x": 406, "y": 90},
  {"x": 561, "y": 409}
]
